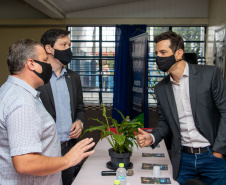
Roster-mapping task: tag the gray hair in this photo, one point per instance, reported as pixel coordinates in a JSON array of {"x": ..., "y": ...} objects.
[{"x": 19, "y": 53}]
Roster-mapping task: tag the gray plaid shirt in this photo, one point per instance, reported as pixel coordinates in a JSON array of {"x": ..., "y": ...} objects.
[{"x": 25, "y": 127}]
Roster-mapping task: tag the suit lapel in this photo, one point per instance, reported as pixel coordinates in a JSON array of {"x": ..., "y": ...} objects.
[
  {"x": 50, "y": 93},
  {"x": 172, "y": 102},
  {"x": 192, "y": 87},
  {"x": 69, "y": 85}
]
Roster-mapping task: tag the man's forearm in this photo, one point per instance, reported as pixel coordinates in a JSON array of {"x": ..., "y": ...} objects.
[{"x": 39, "y": 165}]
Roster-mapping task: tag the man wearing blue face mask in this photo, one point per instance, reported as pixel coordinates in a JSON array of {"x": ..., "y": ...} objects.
[
  {"x": 192, "y": 105},
  {"x": 62, "y": 96}
]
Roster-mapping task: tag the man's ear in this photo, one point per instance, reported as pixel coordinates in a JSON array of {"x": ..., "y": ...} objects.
[
  {"x": 30, "y": 64},
  {"x": 48, "y": 49},
  {"x": 180, "y": 53}
]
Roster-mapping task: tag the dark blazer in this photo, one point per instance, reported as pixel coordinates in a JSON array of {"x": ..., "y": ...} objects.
[
  {"x": 208, "y": 103},
  {"x": 76, "y": 97}
]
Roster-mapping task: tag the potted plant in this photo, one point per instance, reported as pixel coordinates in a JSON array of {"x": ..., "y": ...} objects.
[{"x": 122, "y": 141}]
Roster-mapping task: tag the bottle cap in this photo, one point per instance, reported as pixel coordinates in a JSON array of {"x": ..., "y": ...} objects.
[
  {"x": 116, "y": 182},
  {"x": 121, "y": 165}
]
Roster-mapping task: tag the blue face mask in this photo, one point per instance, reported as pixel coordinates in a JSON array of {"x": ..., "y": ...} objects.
[
  {"x": 46, "y": 71},
  {"x": 165, "y": 63}
]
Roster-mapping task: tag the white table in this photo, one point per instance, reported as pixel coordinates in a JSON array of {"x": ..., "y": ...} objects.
[{"x": 90, "y": 173}]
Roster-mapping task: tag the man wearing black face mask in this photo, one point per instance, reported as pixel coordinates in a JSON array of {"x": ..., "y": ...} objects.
[
  {"x": 62, "y": 96},
  {"x": 30, "y": 150},
  {"x": 192, "y": 105}
]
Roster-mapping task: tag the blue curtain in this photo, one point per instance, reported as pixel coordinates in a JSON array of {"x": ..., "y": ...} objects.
[{"x": 121, "y": 99}]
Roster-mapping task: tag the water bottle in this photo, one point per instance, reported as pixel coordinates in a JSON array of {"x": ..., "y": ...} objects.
[
  {"x": 117, "y": 182},
  {"x": 121, "y": 174}
]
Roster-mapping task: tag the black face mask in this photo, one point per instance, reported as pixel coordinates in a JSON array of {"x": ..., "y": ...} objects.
[
  {"x": 64, "y": 56},
  {"x": 165, "y": 63},
  {"x": 46, "y": 71}
]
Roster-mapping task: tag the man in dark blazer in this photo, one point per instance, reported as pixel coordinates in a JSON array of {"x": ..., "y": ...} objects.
[
  {"x": 192, "y": 106},
  {"x": 62, "y": 96}
]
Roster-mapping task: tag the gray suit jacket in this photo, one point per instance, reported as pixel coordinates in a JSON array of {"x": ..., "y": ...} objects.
[
  {"x": 76, "y": 97},
  {"x": 208, "y": 102}
]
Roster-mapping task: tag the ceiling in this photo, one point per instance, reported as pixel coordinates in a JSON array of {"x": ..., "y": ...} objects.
[{"x": 60, "y": 8}]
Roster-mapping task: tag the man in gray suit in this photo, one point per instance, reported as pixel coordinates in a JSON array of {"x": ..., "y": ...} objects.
[
  {"x": 192, "y": 106},
  {"x": 62, "y": 96}
]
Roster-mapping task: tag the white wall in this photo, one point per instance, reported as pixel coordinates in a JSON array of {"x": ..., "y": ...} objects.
[{"x": 149, "y": 9}]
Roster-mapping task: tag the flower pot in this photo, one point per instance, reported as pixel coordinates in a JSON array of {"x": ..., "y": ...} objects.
[{"x": 117, "y": 158}]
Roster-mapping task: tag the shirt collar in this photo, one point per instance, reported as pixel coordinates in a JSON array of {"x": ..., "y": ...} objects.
[
  {"x": 63, "y": 72},
  {"x": 185, "y": 73},
  {"x": 24, "y": 85}
]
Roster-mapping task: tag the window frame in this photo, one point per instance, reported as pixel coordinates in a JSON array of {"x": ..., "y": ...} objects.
[{"x": 151, "y": 59}]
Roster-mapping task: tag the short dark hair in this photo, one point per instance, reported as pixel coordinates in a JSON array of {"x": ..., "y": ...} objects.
[
  {"x": 51, "y": 36},
  {"x": 19, "y": 53},
  {"x": 176, "y": 40}
]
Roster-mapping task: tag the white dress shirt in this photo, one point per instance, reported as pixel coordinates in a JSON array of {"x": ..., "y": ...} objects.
[{"x": 190, "y": 135}]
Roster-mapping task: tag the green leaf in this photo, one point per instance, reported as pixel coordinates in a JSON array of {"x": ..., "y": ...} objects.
[
  {"x": 121, "y": 114},
  {"x": 104, "y": 111},
  {"x": 128, "y": 148},
  {"x": 120, "y": 139},
  {"x": 93, "y": 128},
  {"x": 124, "y": 140},
  {"x": 111, "y": 143},
  {"x": 135, "y": 142},
  {"x": 106, "y": 133},
  {"x": 125, "y": 120},
  {"x": 99, "y": 121},
  {"x": 115, "y": 124},
  {"x": 104, "y": 114},
  {"x": 139, "y": 118},
  {"x": 129, "y": 142},
  {"x": 121, "y": 150}
]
